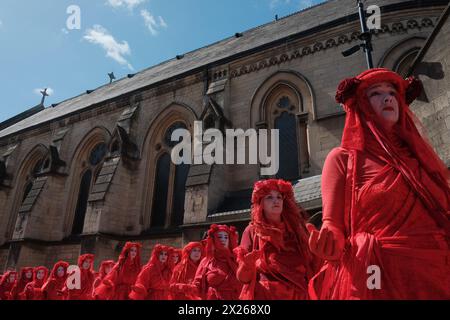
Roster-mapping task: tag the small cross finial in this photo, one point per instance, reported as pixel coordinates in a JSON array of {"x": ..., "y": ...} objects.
[
  {"x": 44, "y": 94},
  {"x": 111, "y": 77}
]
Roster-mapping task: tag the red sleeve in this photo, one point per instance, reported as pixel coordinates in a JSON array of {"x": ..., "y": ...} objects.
[
  {"x": 246, "y": 241},
  {"x": 333, "y": 187}
]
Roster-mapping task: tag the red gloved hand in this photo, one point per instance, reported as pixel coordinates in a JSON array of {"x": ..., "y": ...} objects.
[{"x": 328, "y": 243}]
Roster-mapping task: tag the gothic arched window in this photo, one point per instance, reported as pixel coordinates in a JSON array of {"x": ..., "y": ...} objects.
[
  {"x": 284, "y": 111},
  {"x": 169, "y": 184},
  {"x": 93, "y": 166}
]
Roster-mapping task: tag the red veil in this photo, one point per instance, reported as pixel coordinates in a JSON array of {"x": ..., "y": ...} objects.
[
  {"x": 87, "y": 280},
  {"x": 269, "y": 239},
  {"x": 102, "y": 271}
]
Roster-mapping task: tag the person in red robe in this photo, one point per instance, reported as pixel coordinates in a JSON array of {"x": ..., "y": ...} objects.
[
  {"x": 7, "y": 283},
  {"x": 87, "y": 277},
  {"x": 33, "y": 290},
  {"x": 275, "y": 262},
  {"x": 105, "y": 268},
  {"x": 386, "y": 200},
  {"x": 26, "y": 276},
  {"x": 215, "y": 278},
  {"x": 117, "y": 284},
  {"x": 53, "y": 289},
  {"x": 184, "y": 272},
  {"x": 153, "y": 281}
]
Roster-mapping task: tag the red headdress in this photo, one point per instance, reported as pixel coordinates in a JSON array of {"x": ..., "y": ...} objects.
[
  {"x": 22, "y": 282},
  {"x": 83, "y": 258},
  {"x": 157, "y": 249},
  {"x": 53, "y": 274},
  {"x": 5, "y": 278},
  {"x": 105, "y": 264},
  {"x": 362, "y": 132},
  {"x": 123, "y": 257},
  {"x": 211, "y": 248},
  {"x": 39, "y": 283}
]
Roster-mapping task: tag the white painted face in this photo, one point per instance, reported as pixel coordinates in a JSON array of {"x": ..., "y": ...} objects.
[
  {"x": 40, "y": 274},
  {"x": 175, "y": 258},
  {"x": 12, "y": 277},
  {"x": 383, "y": 99},
  {"x": 273, "y": 204},
  {"x": 223, "y": 239},
  {"x": 108, "y": 269},
  {"x": 29, "y": 274},
  {"x": 87, "y": 264},
  {"x": 133, "y": 252},
  {"x": 163, "y": 256},
  {"x": 196, "y": 254},
  {"x": 60, "y": 272}
]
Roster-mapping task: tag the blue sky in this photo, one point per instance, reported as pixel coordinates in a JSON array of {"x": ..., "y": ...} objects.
[{"x": 38, "y": 49}]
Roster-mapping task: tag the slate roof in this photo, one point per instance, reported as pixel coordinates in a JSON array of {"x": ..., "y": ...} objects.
[{"x": 302, "y": 23}]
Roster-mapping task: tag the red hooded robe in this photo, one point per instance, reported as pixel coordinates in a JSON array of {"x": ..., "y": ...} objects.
[
  {"x": 184, "y": 273},
  {"x": 153, "y": 281},
  {"x": 102, "y": 272},
  {"x": 53, "y": 289},
  {"x": 21, "y": 283},
  {"x": 87, "y": 280},
  {"x": 6, "y": 285},
  {"x": 117, "y": 284},
  {"x": 285, "y": 263},
  {"x": 33, "y": 290},
  {"x": 215, "y": 278}
]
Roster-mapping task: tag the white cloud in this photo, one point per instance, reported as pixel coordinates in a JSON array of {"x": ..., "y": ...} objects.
[
  {"x": 50, "y": 91},
  {"x": 130, "y": 4},
  {"x": 114, "y": 50},
  {"x": 151, "y": 23}
]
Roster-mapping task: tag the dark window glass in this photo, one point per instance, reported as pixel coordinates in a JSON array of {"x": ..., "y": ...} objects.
[
  {"x": 82, "y": 203},
  {"x": 97, "y": 154},
  {"x": 181, "y": 174},
  {"x": 168, "y": 135},
  {"x": 284, "y": 103},
  {"x": 288, "y": 170},
  {"x": 161, "y": 190}
]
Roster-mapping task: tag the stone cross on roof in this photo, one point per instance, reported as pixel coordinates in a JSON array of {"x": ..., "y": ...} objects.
[{"x": 44, "y": 94}]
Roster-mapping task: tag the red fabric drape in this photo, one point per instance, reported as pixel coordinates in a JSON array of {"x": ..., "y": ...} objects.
[
  {"x": 20, "y": 284},
  {"x": 33, "y": 290},
  {"x": 53, "y": 289},
  {"x": 87, "y": 280},
  {"x": 389, "y": 193},
  {"x": 6, "y": 285}
]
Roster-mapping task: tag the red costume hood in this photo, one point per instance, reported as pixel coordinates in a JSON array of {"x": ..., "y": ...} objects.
[
  {"x": 53, "y": 274},
  {"x": 125, "y": 259},
  {"x": 154, "y": 258},
  {"x": 214, "y": 228},
  {"x": 85, "y": 257},
  {"x": 104, "y": 265},
  {"x": 5, "y": 278},
  {"x": 36, "y": 281}
]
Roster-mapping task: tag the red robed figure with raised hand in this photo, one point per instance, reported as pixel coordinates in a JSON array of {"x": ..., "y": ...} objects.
[
  {"x": 87, "y": 277},
  {"x": 26, "y": 276},
  {"x": 105, "y": 268},
  {"x": 153, "y": 281},
  {"x": 33, "y": 290},
  {"x": 7, "y": 282},
  {"x": 117, "y": 284},
  {"x": 184, "y": 272},
  {"x": 216, "y": 275},
  {"x": 386, "y": 199},
  {"x": 274, "y": 258},
  {"x": 53, "y": 289}
]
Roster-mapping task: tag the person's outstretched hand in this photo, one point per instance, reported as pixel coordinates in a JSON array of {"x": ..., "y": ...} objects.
[{"x": 328, "y": 243}]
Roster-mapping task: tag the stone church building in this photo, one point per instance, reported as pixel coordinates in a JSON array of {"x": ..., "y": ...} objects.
[{"x": 94, "y": 171}]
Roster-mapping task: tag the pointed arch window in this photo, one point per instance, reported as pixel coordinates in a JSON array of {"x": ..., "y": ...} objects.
[
  {"x": 93, "y": 165},
  {"x": 169, "y": 184},
  {"x": 284, "y": 111}
]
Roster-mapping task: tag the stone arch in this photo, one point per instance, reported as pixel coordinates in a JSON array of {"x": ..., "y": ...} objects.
[
  {"x": 78, "y": 167},
  {"x": 22, "y": 177},
  {"x": 395, "y": 55},
  {"x": 288, "y": 78},
  {"x": 153, "y": 148}
]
